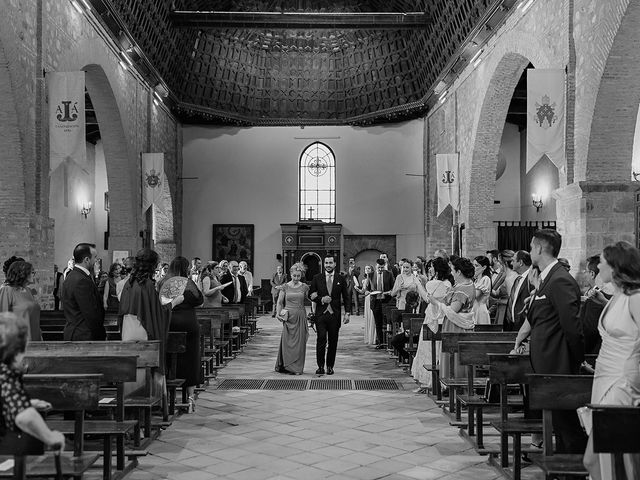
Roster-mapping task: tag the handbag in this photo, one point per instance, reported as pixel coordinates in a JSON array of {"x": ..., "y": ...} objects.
[{"x": 283, "y": 316}]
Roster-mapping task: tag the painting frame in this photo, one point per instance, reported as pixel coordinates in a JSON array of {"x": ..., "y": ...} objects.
[{"x": 233, "y": 242}]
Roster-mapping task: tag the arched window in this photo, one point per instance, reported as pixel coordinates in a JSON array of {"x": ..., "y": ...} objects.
[{"x": 318, "y": 183}]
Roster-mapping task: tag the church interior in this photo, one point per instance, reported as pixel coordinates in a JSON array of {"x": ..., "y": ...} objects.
[{"x": 283, "y": 132}]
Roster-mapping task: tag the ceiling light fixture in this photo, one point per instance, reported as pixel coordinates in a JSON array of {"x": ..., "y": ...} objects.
[
  {"x": 126, "y": 57},
  {"x": 443, "y": 96},
  {"x": 76, "y": 6},
  {"x": 475, "y": 60},
  {"x": 123, "y": 65},
  {"x": 524, "y": 6},
  {"x": 86, "y": 4}
]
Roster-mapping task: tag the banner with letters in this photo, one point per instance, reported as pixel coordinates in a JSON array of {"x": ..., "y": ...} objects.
[
  {"x": 545, "y": 116},
  {"x": 67, "y": 136},
  {"x": 448, "y": 181},
  {"x": 153, "y": 179}
]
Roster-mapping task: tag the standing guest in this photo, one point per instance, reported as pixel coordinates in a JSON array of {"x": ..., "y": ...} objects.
[
  {"x": 498, "y": 273},
  {"x": 278, "y": 279},
  {"x": 97, "y": 273},
  {"x": 8, "y": 262},
  {"x": 17, "y": 298},
  {"x": 110, "y": 297},
  {"x": 482, "y": 282},
  {"x": 125, "y": 272},
  {"x": 224, "y": 267},
  {"x": 437, "y": 287},
  {"x": 441, "y": 253},
  {"x": 196, "y": 267},
  {"x": 591, "y": 309},
  {"x": 57, "y": 283},
  {"x": 81, "y": 301},
  {"x": 385, "y": 258},
  {"x": 211, "y": 286},
  {"x": 326, "y": 291},
  {"x": 70, "y": 264},
  {"x": 369, "y": 322},
  {"x": 19, "y": 415},
  {"x": 565, "y": 263},
  {"x": 353, "y": 282},
  {"x": 500, "y": 293},
  {"x": 520, "y": 291},
  {"x": 144, "y": 317},
  {"x": 382, "y": 284},
  {"x": 236, "y": 292},
  {"x": 295, "y": 331},
  {"x": 248, "y": 276},
  {"x": 405, "y": 282},
  {"x": 617, "y": 376},
  {"x": 183, "y": 319},
  {"x": 457, "y": 308},
  {"x": 556, "y": 344}
]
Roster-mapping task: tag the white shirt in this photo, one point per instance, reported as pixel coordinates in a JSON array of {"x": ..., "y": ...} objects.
[
  {"x": 83, "y": 269},
  {"x": 520, "y": 282},
  {"x": 329, "y": 276},
  {"x": 546, "y": 271}
]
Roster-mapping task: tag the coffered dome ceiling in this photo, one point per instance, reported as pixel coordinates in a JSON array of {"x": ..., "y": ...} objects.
[{"x": 297, "y": 62}]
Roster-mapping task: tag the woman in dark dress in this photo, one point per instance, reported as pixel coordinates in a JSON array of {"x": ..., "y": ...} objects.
[{"x": 183, "y": 319}]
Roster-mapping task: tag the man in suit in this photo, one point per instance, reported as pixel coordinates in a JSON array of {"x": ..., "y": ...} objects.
[
  {"x": 328, "y": 291},
  {"x": 237, "y": 291},
  {"x": 556, "y": 333},
  {"x": 57, "y": 283},
  {"x": 81, "y": 302},
  {"x": 521, "y": 290},
  {"x": 382, "y": 281}
]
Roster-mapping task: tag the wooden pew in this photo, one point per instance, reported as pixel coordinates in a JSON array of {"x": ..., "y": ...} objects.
[
  {"x": 429, "y": 336},
  {"x": 506, "y": 369},
  {"x": 412, "y": 323},
  {"x": 236, "y": 314},
  {"x": 615, "y": 431},
  {"x": 116, "y": 370},
  {"x": 474, "y": 354},
  {"x": 52, "y": 324},
  {"x": 558, "y": 392},
  {"x": 450, "y": 342},
  {"x": 176, "y": 343},
  {"x": 221, "y": 331},
  {"x": 143, "y": 399},
  {"x": 74, "y": 393}
]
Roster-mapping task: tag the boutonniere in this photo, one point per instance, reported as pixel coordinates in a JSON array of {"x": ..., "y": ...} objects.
[{"x": 337, "y": 283}]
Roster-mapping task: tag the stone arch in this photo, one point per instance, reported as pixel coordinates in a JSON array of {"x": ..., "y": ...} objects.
[
  {"x": 480, "y": 231},
  {"x": 120, "y": 174},
  {"x": 616, "y": 107}
]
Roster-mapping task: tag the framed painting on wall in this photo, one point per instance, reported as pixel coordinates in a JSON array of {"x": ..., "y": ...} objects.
[{"x": 233, "y": 242}]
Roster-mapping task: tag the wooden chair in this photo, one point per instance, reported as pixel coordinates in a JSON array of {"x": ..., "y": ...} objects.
[{"x": 615, "y": 431}]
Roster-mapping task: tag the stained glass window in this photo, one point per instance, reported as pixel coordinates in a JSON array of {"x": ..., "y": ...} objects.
[{"x": 318, "y": 183}]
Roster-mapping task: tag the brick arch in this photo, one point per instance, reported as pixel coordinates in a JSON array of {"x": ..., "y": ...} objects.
[
  {"x": 12, "y": 186},
  {"x": 480, "y": 231},
  {"x": 616, "y": 107},
  {"x": 121, "y": 174}
]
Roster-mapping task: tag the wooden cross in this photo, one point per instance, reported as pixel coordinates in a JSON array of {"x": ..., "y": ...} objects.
[{"x": 311, "y": 209}]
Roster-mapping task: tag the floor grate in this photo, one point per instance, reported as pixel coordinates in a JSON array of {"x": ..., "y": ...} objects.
[
  {"x": 288, "y": 384},
  {"x": 377, "y": 384},
  {"x": 240, "y": 384},
  {"x": 330, "y": 384}
]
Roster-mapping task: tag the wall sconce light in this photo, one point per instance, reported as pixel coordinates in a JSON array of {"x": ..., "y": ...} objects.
[
  {"x": 537, "y": 201},
  {"x": 636, "y": 176},
  {"x": 85, "y": 209}
]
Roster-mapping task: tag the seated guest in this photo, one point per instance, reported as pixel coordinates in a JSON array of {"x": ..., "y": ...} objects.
[
  {"x": 110, "y": 297},
  {"x": 617, "y": 376},
  {"x": 236, "y": 292},
  {"x": 276, "y": 285},
  {"x": 81, "y": 302},
  {"x": 593, "y": 305},
  {"x": 143, "y": 316},
  {"x": 16, "y": 297},
  {"x": 183, "y": 319},
  {"x": 19, "y": 414}
]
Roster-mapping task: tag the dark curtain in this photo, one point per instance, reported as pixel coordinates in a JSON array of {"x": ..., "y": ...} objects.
[{"x": 517, "y": 235}]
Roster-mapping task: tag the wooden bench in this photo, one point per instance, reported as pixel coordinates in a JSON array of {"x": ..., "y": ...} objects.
[
  {"x": 142, "y": 398},
  {"x": 114, "y": 369},
  {"x": 74, "y": 393},
  {"x": 52, "y": 323},
  {"x": 236, "y": 314},
  {"x": 450, "y": 342},
  {"x": 176, "y": 344},
  {"x": 412, "y": 323},
  {"x": 474, "y": 354},
  {"x": 434, "y": 337},
  {"x": 615, "y": 431},
  {"x": 558, "y": 392},
  {"x": 220, "y": 333}
]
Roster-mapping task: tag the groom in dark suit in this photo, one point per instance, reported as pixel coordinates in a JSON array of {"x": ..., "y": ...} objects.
[
  {"x": 556, "y": 333},
  {"x": 327, "y": 291}
]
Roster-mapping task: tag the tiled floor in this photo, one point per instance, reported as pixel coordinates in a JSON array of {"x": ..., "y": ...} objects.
[{"x": 258, "y": 434}]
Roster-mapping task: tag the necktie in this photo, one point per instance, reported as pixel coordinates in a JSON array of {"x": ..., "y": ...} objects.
[
  {"x": 380, "y": 286},
  {"x": 236, "y": 287},
  {"x": 329, "y": 283}
]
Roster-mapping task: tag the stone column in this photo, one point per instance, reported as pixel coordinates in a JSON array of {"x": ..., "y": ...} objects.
[{"x": 592, "y": 215}]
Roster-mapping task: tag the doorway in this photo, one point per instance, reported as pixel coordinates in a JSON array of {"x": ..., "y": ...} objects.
[{"x": 313, "y": 263}]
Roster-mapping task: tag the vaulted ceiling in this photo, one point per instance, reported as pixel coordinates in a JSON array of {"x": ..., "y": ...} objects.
[{"x": 297, "y": 62}]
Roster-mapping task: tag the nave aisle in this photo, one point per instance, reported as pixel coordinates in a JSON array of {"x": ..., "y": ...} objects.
[{"x": 311, "y": 434}]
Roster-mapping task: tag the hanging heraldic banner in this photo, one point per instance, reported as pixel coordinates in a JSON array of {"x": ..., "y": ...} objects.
[
  {"x": 67, "y": 129},
  {"x": 448, "y": 181},
  {"x": 545, "y": 116},
  {"x": 152, "y": 180}
]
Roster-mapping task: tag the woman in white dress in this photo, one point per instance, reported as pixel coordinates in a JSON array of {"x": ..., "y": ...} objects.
[
  {"x": 369, "y": 322},
  {"x": 617, "y": 377},
  {"x": 438, "y": 286},
  {"x": 405, "y": 282},
  {"x": 482, "y": 282}
]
